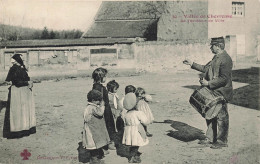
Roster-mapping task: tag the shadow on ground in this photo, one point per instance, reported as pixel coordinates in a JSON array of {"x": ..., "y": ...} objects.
[
  {"x": 246, "y": 96},
  {"x": 2, "y": 104},
  {"x": 83, "y": 154},
  {"x": 183, "y": 131},
  {"x": 121, "y": 150}
]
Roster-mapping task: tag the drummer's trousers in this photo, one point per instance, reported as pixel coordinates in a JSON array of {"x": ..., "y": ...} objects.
[{"x": 218, "y": 126}]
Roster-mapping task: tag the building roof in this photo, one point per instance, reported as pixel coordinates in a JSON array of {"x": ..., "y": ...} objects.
[
  {"x": 130, "y": 10},
  {"x": 64, "y": 42},
  {"x": 127, "y": 19},
  {"x": 120, "y": 29}
]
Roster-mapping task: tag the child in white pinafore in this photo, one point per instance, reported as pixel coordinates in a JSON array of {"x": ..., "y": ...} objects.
[
  {"x": 120, "y": 121},
  {"x": 142, "y": 105},
  {"x": 134, "y": 133}
]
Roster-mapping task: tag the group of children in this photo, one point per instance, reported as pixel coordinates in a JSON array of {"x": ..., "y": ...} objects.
[{"x": 106, "y": 114}]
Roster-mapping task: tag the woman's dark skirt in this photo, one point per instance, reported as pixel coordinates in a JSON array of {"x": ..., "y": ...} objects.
[{"x": 7, "y": 133}]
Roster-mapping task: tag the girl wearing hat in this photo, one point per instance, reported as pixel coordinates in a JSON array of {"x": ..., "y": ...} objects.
[
  {"x": 134, "y": 133},
  {"x": 120, "y": 121},
  {"x": 20, "y": 111}
]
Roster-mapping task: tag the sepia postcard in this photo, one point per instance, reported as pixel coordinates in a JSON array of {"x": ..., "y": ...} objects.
[{"x": 151, "y": 82}]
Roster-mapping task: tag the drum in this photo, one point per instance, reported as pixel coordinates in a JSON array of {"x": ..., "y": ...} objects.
[{"x": 205, "y": 100}]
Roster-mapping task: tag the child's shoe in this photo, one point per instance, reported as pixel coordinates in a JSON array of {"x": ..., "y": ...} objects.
[
  {"x": 96, "y": 160},
  {"x": 139, "y": 153},
  {"x": 111, "y": 146},
  {"x": 106, "y": 152},
  {"x": 138, "y": 158},
  {"x": 148, "y": 134},
  {"x": 135, "y": 159}
]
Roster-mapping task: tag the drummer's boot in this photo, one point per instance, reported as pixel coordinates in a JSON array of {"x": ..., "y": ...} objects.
[
  {"x": 218, "y": 145},
  {"x": 205, "y": 142}
]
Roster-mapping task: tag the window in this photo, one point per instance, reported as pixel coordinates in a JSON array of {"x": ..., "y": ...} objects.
[
  {"x": 103, "y": 57},
  {"x": 102, "y": 51},
  {"x": 238, "y": 9}
]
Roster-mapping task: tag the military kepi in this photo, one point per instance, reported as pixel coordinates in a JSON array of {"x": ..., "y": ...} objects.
[{"x": 217, "y": 40}]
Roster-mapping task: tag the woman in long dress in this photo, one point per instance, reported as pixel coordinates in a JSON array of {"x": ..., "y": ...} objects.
[{"x": 20, "y": 117}]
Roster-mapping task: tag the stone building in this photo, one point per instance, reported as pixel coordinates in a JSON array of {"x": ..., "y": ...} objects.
[{"x": 181, "y": 20}]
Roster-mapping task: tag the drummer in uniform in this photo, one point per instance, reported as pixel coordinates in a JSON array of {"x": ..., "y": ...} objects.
[{"x": 218, "y": 77}]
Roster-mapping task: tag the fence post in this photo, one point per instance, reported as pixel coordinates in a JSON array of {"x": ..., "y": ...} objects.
[
  {"x": 89, "y": 60},
  {"x": 28, "y": 59},
  {"x": 258, "y": 48},
  {"x": 2, "y": 59},
  {"x": 38, "y": 56},
  {"x": 136, "y": 49}
]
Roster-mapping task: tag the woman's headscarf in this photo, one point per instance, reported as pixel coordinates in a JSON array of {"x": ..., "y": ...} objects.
[{"x": 17, "y": 57}]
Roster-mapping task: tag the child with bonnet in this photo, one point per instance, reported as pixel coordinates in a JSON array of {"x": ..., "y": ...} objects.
[{"x": 134, "y": 133}]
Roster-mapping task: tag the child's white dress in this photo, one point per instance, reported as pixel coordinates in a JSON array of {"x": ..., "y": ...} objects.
[
  {"x": 142, "y": 105},
  {"x": 134, "y": 133}
]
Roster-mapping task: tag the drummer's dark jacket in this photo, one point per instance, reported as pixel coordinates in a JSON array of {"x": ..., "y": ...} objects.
[{"x": 218, "y": 72}]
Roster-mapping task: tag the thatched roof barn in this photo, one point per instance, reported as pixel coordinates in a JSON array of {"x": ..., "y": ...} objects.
[{"x": 126, "y": 19}]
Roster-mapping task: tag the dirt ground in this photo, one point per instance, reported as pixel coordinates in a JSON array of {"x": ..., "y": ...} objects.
[{"x": 176, "y": 130}]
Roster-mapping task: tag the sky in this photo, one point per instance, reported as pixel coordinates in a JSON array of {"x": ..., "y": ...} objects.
[{"x": 54, "y": 14}]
